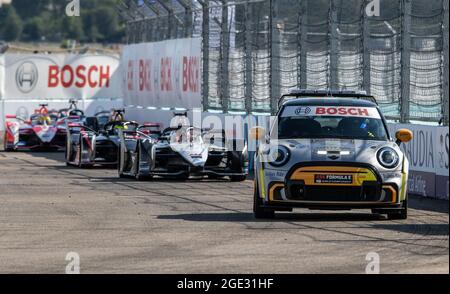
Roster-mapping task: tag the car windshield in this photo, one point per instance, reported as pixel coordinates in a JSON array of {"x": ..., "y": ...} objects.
[{"x": 362, "y": 123}]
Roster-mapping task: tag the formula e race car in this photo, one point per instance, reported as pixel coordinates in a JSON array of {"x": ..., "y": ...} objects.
[
  {"x": 178, "y": 152},
  {"x": 71, "y": 111},
  {"x": 89, "y": 144},
  {"x": 41, "y": 131},
  {"x": 330, "y": 150}
]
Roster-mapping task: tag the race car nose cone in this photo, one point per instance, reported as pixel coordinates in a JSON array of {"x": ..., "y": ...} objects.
[{"x": 45, "y": 133}]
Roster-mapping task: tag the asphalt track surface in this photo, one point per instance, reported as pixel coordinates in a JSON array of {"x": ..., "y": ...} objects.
[{"x": 167, "y": 226}]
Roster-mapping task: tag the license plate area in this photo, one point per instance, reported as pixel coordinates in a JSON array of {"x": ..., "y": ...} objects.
[{"x": 333, "y": 179}]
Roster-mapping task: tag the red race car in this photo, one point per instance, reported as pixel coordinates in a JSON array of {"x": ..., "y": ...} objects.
[{"x": 43, "y": 130}]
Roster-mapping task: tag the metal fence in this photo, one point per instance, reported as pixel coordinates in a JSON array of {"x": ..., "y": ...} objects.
[{"x": 256, "y": 50}]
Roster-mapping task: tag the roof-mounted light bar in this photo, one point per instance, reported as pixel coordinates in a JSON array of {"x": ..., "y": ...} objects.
[{"x": 303, "y": 93}]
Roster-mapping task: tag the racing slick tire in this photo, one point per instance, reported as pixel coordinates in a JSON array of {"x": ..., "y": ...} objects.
[
  {"x": 259, "y": 211},
  {"x": 5, "y": 146},
  {"x": 183, "y": 177},
  {"x": 80, "y": 164},
  {"x": 238, "y": 178},
  {"x": 119, "y": 166},
  {"x": 66, "y": 152},
  {"x": 138, "y": 176},
  {"x": 237, "y": 166},
  {"x": 215, "y": 177},
  {"x": 67, "y": 158}
]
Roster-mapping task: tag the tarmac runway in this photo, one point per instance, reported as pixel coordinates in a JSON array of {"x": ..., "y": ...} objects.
[{"x": 197, "y": 226}]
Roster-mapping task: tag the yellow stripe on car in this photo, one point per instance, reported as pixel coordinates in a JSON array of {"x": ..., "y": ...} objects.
[
  {"x": 262, "y": 183},
  {"x": 307, "y": 174}
]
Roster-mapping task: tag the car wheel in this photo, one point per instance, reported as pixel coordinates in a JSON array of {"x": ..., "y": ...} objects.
[
  {"x": 258, "y": 210},
  {"x": 66, "y": 154},
  {"x": 400, "y": 214},
  {"x": 119, "y": 166},
  {"x": 238, "y": 178},
  {"x": 80, "y": 164},
  {"x": 5, "y": 145},
  {"x": 183, "y": 177}
]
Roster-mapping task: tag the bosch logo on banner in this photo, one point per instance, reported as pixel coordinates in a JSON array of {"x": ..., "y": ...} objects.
[
  {"x": 348, "y": 111},
  {"x": 166, "y": 74},
  {"x": 26, "y": 77},
  {"x": 145, "y": 75},
  {"x": 80, "y": 76},
  {"x": 130, "y": 75},
  {"x": 191, "y": 74}
]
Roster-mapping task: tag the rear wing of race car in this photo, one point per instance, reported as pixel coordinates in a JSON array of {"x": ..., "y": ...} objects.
[
  {"x": 302, "y": 93},
  {"x": 11, "y": 116},
  {"x": 140, "y": 132},
  {"x": 150, "y": 128},
  {"x": 14, "y": 118},
  {"x": 78, "y": 127}
]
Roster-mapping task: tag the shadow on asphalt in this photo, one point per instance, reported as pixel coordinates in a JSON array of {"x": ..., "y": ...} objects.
[
  {"x": 417, "y": 229},
  {"x": 248, "y": 217}
]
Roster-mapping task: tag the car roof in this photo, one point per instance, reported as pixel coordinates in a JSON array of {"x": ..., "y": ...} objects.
[{"x": 329, "y": 102}]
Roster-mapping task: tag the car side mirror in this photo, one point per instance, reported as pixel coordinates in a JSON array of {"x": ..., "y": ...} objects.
[
  {"x": 403, "y": 136},
  {"x": 257, "y": 133}
]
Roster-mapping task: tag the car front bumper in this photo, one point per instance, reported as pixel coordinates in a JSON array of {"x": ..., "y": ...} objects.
[{"x": 306, "y": 185}]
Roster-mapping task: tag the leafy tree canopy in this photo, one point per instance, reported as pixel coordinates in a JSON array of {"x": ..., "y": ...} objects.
[{"x": 46, "y": 20}]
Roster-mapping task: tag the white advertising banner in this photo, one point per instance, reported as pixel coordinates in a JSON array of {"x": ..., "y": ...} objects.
[
  {"x": 163, "y": 74},
  {"x": 2, "y": 76},
  {"x": 26, "y": 80},
  {"x": 442, "y": 176},
  {"x": 61, "y": 76},
  {"x": 442, "y": 138},
  {"x": 428, "y": 158},
  {"x": 421, "y": 150}
]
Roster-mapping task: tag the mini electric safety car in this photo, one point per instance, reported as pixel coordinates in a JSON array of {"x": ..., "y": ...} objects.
[
  {"x": 40, "y": 131},
  {"x": 179, "y": 152},
  {"x": 330, "y": 150}
]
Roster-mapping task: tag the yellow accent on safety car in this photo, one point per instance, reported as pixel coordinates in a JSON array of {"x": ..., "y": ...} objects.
[
  {"x": 307, "y": 174},
  {"x": 273, "y": 188}
]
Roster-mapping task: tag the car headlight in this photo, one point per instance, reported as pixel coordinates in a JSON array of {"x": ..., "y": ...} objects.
[
  {"x": 280, "y": 157},
  {"x": 388, "y": 157}
]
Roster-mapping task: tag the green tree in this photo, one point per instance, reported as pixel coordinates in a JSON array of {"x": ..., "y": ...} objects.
[
  {"x": 106, "y": 21},
  {"x": 72, "y": 28},
  {"x": 47, "y": 20},
  {"x": 33, "y": 29},
  {"x": 12, "y": 25}
]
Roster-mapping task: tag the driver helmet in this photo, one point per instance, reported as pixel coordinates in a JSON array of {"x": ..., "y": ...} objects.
[
  {"x": 121, "y": 126},
  {"x": 44, "y": 119}
]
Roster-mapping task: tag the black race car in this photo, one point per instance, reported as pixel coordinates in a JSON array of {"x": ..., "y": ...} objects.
[{"x": 89, "y": 144}]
